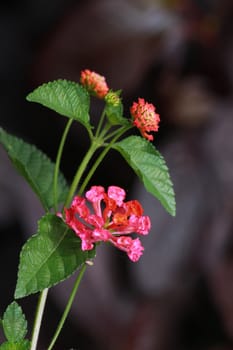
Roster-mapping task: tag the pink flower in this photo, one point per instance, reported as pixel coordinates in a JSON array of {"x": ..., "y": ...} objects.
[
  {"x": 111, "y": 219},
  {"x": 94, "y": 83},
  {"x": 132, "y": 247},
  {"x": 145, "y": 118}
]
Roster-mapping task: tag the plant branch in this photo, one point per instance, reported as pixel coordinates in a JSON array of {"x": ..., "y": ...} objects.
[
  {"x": 94, "y": 146},
  {"x": 38, "y": 318},
  {"x": 58, "y": 161},
  {"x": 121, "y": 131},
  {"x": 68, "y": 306}
]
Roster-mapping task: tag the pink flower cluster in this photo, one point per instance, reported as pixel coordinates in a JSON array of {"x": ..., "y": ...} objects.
[
  {"x": 111, "y": 220},
  {"x": 94, "y": 83},
  {"x": 145, "y": 118}
]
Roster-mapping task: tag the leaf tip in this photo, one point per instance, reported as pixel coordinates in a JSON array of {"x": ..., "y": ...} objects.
[{"x": 19, "y": 292}]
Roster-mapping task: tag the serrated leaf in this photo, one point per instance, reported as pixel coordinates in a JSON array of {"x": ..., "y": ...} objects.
[
  {"x": 150, "y": 167},
  {"x": 22, "y": 345},
  {"x": 66, "y": 98},
  {"x": 49, "y": 257},
  {"x": 35, "y": 167},
  {"x": 14, "y": 323}
]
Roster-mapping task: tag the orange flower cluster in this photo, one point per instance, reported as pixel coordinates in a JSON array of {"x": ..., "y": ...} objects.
[
  {"x": 143, "y": 113},
  {"x": 145, "y": 118},
  {"x": 94, "y": 83}
]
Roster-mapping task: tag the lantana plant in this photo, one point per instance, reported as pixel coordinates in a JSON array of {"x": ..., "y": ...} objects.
[{"x": 78, "y": 218}]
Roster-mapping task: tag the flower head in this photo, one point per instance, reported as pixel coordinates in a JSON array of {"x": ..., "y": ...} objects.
[
  {"x": 110, "y": 220},
  {"x": 94, "y": 83},
  {"x": 145, "y": 118},
  {"x": 113, "y": 98}
]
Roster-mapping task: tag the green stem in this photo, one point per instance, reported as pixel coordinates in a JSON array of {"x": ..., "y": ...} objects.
[
  {"x": 100, "y": 158},
  {"x": 38, "y": 318},
  {"x": 100, "y": 123},
  {"x": 68, "y": 306},
  {"x": 106, "y": 128},
  {"x": 116, "y": 132},
  {"x": 58, "y": 161},
  {"x": 94, "y": 146}
]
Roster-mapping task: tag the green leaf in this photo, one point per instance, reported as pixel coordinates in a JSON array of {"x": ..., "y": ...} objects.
[
  {"x": 114, "y": 109},
  {"x": 35, "y": 167},
  {"x": 22, "y": 345},
  {"x": 150, "y": 167},
  {"x": 49, "y": 257},
  {"x": 14, "y": 323},
  {"x": 66, "y": 98}
]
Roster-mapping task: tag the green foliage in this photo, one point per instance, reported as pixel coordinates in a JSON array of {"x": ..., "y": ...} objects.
[
  {"x": 114, "y": 109},
  {"x": 66, "y": 98},
  {"x": 15, "y": 328},
  {"x": 35, "y": 167},
  {"x": 21, "y": 345},
  {"x": 14, "y": 323},
  {"x": 49, "y": 257},
  {"x": 150, "y": 167}
]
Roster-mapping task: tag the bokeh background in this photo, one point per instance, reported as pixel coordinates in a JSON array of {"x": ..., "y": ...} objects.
[{"x": 178, "y": 55}]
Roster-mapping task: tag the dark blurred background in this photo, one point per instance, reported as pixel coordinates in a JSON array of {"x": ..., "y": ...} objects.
[{"x": 178, "y": 55}]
